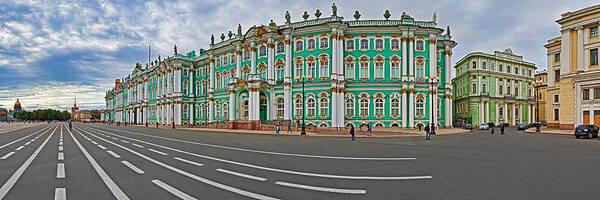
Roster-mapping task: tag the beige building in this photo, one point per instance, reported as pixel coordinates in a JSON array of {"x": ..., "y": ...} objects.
[
  {"x": 541, "y": 85},
  {"x": 573, "y": 95}
]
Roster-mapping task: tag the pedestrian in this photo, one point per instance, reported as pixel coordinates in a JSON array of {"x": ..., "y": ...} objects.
[
  {"x": 289, "y": 128},
  {"x": 352, "y": 133},
  {"x": 277, "y": 130},
  {"x": 70, "y": 126},
  {"x": 492, "y": 131},
  {"x": 297, "y": 123},
  {"x": 360, "y": 128},
  {"x": 369, "y": 128},
  {"x": 427, "y": 137},
  {"x": 420, "y": 126},
  {"x": 502, "y": 129}
]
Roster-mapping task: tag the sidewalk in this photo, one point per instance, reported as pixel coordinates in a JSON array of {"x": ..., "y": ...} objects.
[
  {"x": 550, "y": 131},
  {"x": 337, "y": 133}
]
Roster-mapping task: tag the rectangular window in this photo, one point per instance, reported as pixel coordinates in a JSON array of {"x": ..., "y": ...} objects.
[
  {"x": 557, "y": 75},
  {"x": 508, "y": 69},
  {"x": 556, "y": 99},
  {"x": 594, "y": 32},
  {"x": 523, "y": 72},
  {"x": 557, "y": 57},
  {"x": 500, "y": 68},
  {"x": 350, "y": 45},
  {"x": 556, "y": 114},
  {"x": 349, "y": 70},
  {"x": 529, "y": 72},
  {"x": 492, "y": 66},
  {"x": 483, "y": 65},
  {"x": 596, "y": 93},
  {"x": 594, "y": 56},
  {"x": 586, "y": 94},
  {"x": 474, "y": 65}
]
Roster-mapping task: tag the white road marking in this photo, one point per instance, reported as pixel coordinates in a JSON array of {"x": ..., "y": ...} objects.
[
  {"x": 60, "y": 143},
  {"x": 32, "y": 140},
  {"x": 114, "y": 188},
  {"x": 322, "y": 189},
  {"x": 172, "y": 190},
  {"x": 265, "y": 152},
  {"x": 15, "y": 141},
  {"x": 189, "y": 162},
  {"x": 61, "y": 156},
  {"x": 60, "y": 170},
  {"x": 27, "y": 143},
  {"x": 137, "y": 145},
  {"x": 190, "y": 175},
  {"x": 282, "y": 170},
  {"x": 7, "y": 155},
  {"x": 158, "y": 152},
  {"x": 60, "y": 148},
  {"x": 19, "y": 148},
  {"x": 113, "y": 154},
  {"x": 125, "y": 141},
  {"x": 242, "y": 175},
  {"x": 60, "y": 194},
  {"x": 60, "y": 140},
  {"x": 133, "y": 167},
  {"x": 94, "y": 142},
  {"x": 102, "y": 147},
  {"x": 13, "y": 179}
]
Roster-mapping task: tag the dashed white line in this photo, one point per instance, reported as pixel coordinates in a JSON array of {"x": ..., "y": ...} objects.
[
  {"x": 102, "y": 147},
  {"x": 94, "y": 142},
  {"x": 137, "y": 145},
  {"x": 27, "y": 143},
  {"x": 7, "y": 155},
  {"x": 112, "y": 186},
  {"x": 172, "y": 190},
  {"x": 158, "y": 152},
  {"x": 60, "y": 148},
  {"x": 113, "y": 154},
  {"x": 242, "y": 175},
  {"x": 189, "y": 162},
  {"x": 60, "y": 170},
  {"x": 125, "y": 141},
  {"x": 15, "y": 141},
  {"x": 60, "y": 143},
  {"x": 19, "y": 148},
  {"x": 322, "y": 189},
  {"x": 133, "y": 167},
  {"x": 60, "y": 194},
  {"x": 61, "y": 156},
  {"x": 13, "y": 179}
]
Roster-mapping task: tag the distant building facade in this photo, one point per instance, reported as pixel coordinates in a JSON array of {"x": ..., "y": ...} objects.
[
  {"x": 3, "y": 114},
  {"x": 494, "y": 88},
  {"x": 541, "y": 83}
]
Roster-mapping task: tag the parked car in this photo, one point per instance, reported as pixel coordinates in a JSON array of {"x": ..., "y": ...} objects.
[
  {"x": 484, "y": 127},
  {"x": 588, "y": 130},
  {"x": 491, "y": 124},
  {"x": 469, "y": 126},
  {"x": 522, "y": 127},
  {"x": 544, "y": 123},
  {"x": 505, "y": 124}
]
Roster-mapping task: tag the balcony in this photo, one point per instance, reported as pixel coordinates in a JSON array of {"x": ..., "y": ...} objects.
[
  {"x": 509, "y": 96},
  {"x": 484, "y": 94}
]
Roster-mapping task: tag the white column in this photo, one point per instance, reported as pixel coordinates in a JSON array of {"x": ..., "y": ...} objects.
[
  {"x": 287, "y": 96},
  {"x": 334, "y": 101},
  {"x": 433, "y": 57},
  {"x": 411, "y": 65},
  {"x": 341, "y": 106},
  {"x": 334, "y": 61},
  {"x": 252, "y": 58},
  {"x": 565, "y": 53},
  {"x": 231, "y": 105},
  {"x": 586, "y": 53},
  {"x": 580, "y": 61},
  {"x": 211, "y": 89},
  {"x": 340, "y": 64},
  {"x": 514, "y": 111},
  {"x": 270, "y": 60},
  {"x": 506, "y": 112},
  {"x": 448, "y": 66},
  {"x": 481, "y": 112},
  {"x": 404, "y": 103},
  {"x": 253, "y": 104},
  {"x": 448, "y": 111},
  {"x": 178, "y": 114},
  {"x": 404, "y": 58},
  {"x": 191, "y": 113},
  {"x": 411, "y": 109},
  {"x": 191, "y": 82},
  {"x": 487, "y": 112},
  {"x": 238, "y": 61},
  {"x": 497, "y": 113}
]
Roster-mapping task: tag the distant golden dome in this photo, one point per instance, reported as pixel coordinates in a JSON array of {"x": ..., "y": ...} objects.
[{"x": 17, "y": 103}]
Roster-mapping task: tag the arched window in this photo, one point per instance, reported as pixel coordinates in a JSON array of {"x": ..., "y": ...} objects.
[
  {"x": 529, "y": 93},
  {"x": 474, "y": 88},
  {"x": 245, "y": 72},
  {"x": 217, "y": 111},
  {"x": 262, "y": 51},
  {"x": 379, "y": 44},
  {"x": 280, "y": 72},
  {"x": 324, "y": 43},
  {"x": 310, "y": 68},
  {"x": 311, "y": 107},
  {"x": 508, "y": 90},
  {"x": 395, "y": 44},
  {"x": 420, "y": 45},
  {"x": 324, "y": 106},
  {"x": 324, "y": 67},
  {"x": 186, "y": 111},
  {"x": 379, "y": 62},
  {"x": 218, "y": 62},
  {"x": 364, "y": 69},
  {"x": 395, "y": 107},
  {"x": 500, "y": 92},
  {"x": 420, "y": 107},
  {"x": 185, "y": 73},
  {"x": 420, "y": 68},
  {"x": 184, "y": 90},
  {"x": 217, "y": 82},
  {"x": 516, "y": 91},
  {"x": 299, "y": 68},
  {"x": 364, "y": 44},
  {"x": 379, "y": 107},
  {"x": 233, "y": 59},
  {"x": 202, "y": 87},
  {"x": 225, "y": 111},
  {"x": 280, "y": 108},
  {"x": 350, "y": 45},
  {"x": 350, "y": 107},
  {"x": 364, "y": 107},
  {"x": 501, "y": 112},
  {"x": 280, "y": 47},
  {"x": 483, "y": 88},
  {"x": 198, "y": 111},
  {"x": 310, "y": 44},
  {"x": 349, "y": 69},
  {"x": 395, "y": 67},
  {"x": 246, "y": 54},
  {"x": 299, "y": 106},
  {"x": 299, "y": 45},
  {"x": 262, "y": 72}
]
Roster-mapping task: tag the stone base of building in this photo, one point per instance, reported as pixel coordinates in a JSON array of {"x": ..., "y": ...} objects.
[
  {"x": 561, "y": 126},
  {"x": 248, "y": 125}
]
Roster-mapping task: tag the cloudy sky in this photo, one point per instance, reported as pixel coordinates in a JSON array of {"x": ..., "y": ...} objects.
[{"x": 52, "y": 50}]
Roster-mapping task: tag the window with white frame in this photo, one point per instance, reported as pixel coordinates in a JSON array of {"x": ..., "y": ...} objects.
[
  {"x": 225, "y": 111},
  {"x": 420, "y": 45},
  {"x": 280, "y": 108},
  {"x": 245, "y": 72},
  {"x": 262, "y": 51},
  {"x": 217, "y": 111},
  {"x": 202, "y": 87},
  {"x": 299, "y": 45},
  {"x": 311, "y": 107},
  {"x": 349, "y": 69},
  {"x": 379, "y": 70},
  {"x": 420, "y": 68},
  {"x": 233, "y": 59},
  {"x": 310, "y": 44},
  {"x": 262, "y": 72},
  {"x": 379, "y": 106},
  {"x": 299, "y": 68},
  {"x": 324, "y": 67},
  {"x": 379, "y": 44},
  {"x": 323, "y": 43},
  {"x": 474, "y": 88},
  {"x": 395, "y": 68},
  {"x": 197, "y": 88},
  {"x": 324, "y": 106},
  {"x": 364, "y": 44},
  {"x": 350, "y": 45},
  {"x": 245, "y": 112},
  {"x": 280, "y": 47},
  {"x": 225, "y": 60},
  {"x": 185, "y": 73},
  {"x": 299, "y": 106},
  {"x": 438, "y": 56},
  {"x": 395, "y": 107},
  {"x": 395, "y": 44},
  {"x": 246, "y": 55},
  {"x": 364, "y": 69},
  {"x": 364, "y": 107},
  {"x": 310, "y": 69},
  {"x": 186, "y": 111},
  {"x": 420, "y": 107},
  {"x": 349, "y": 107},
  {"x": 280, "y": 72},
  {"x": 184, "y": 90}
]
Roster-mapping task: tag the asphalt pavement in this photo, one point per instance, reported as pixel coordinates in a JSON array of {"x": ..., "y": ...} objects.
[{"x": 97, "y": 161}]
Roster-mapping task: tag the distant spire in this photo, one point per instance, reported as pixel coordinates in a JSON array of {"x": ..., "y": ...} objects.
[{"x": 75, "y": 103}]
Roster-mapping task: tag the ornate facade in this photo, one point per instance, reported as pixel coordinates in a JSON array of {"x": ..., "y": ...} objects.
[{"x": 354, "y": 72}]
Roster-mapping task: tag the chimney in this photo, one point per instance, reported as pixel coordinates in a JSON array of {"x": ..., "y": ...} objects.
[{"x": 117, "y": 82}]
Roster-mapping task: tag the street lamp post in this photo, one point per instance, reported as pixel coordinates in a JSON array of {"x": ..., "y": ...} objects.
[
  {"x": 303, "y": 80},
  {"x": 432, "y": 80},
  {"x": 537, "y": 105}
]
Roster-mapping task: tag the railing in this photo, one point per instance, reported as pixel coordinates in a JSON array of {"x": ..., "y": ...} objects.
[{"x": 312, "y": 22}]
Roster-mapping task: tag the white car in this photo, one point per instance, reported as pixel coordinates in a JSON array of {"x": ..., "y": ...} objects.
[{"x": 484, "y": 127}]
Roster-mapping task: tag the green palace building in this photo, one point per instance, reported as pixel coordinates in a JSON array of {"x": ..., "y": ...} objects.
[
  {"x": 494, "y": 88},
  {"x": 330, "y": 71}
]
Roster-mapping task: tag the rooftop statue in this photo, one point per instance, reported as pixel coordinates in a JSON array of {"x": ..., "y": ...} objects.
[
  {"x": 434, "y": 17},
  {"x": 387, "y": 15},
  {"x": 175, "y": 49},
  {"x": 334, "y": 10},
  {"x": 230, "y": 34},
  {"x": 287, "y": 17},
  {"x": 305, "y": 16},
  {"x": 239, "y": 30},
  {"x": 222, "y": 36},
  {"x": 318, "y": 13},
  {"x": 212, "y": 39},
  {"x": 356, "y": 15}
]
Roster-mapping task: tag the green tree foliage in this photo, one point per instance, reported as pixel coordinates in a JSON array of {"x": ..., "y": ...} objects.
[{"x": 46, "y": 114}]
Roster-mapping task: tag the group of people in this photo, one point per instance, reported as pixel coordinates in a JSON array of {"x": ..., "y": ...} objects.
[{"x": 501, "y": 130}]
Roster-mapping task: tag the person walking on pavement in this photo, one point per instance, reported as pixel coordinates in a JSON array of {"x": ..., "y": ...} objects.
[
  {"x": 492, "y": 131},
  {"x": 70, "y": 126},
  {"x": 420, "y": 126},
  {"x": 352, "y": 133},
  {"x": 369, "y": 128},
  {"x": 277, "y": 130},
  {"x": 427, "y": 137},
  {"x": 502, "y": 129},
  {"x": 289, "y": 128}
]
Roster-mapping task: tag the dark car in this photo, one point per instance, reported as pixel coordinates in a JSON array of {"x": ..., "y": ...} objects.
[
  {"x": 492, "y": 125},
  {"x": 522, "y": 127},
  {"x": 469, "y": 126},
  {"x": 588, "y": 130}
]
